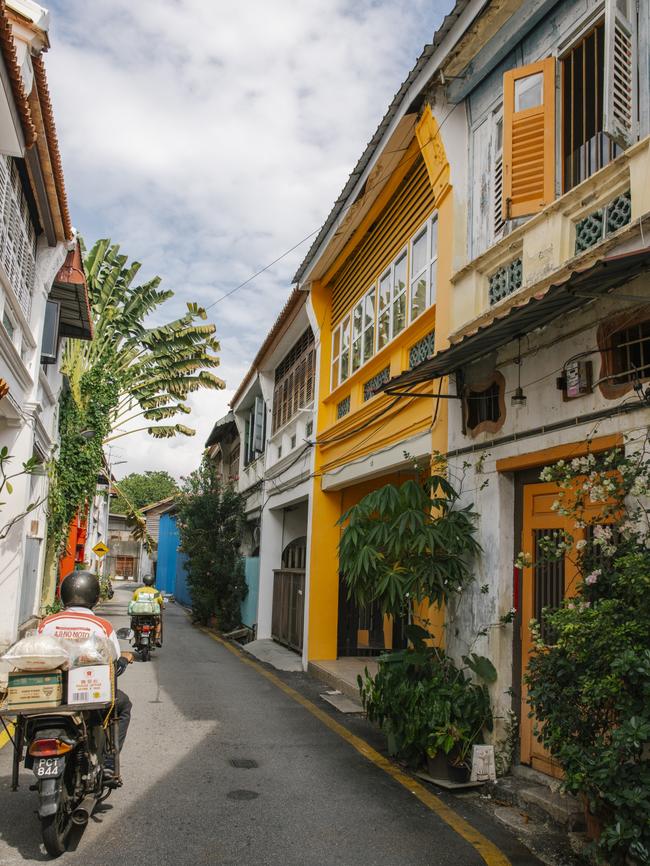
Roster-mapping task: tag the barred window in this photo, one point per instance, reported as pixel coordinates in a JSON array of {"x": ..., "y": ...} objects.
[{"x": 484, "y": 406}]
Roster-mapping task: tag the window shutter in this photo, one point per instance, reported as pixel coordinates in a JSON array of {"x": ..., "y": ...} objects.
[
  {"x": 258, "y": 427},
  {"x": 620, "y": 91},
  {"x": 528, "y": 138}
]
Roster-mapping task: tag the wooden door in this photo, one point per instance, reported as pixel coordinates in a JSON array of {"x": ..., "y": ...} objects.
[{"x": 544, "y": 585}]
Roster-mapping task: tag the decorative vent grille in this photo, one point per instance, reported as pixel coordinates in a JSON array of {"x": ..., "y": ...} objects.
[
  {"x": 505, "y": 281},
  {"x": 422, "y": 350},
  {"x": 343, "y": 408},
  {"x": 371, "y": 387},
  {"x": 407, "y": 209},
  {"x": 17, "y": 236},
  {"x": 601, "y": 223}
]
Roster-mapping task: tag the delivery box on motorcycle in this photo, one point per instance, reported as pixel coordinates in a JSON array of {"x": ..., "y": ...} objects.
[
  {"x": 89, "y": 685},
  {"x": 34, "y": 691},
  {"x": 144, "y": 608}
]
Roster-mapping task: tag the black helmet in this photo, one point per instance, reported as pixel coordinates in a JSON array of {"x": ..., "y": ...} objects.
[
  {"x": 148, "y": 580},
  {"x": 80, "y": 588}
]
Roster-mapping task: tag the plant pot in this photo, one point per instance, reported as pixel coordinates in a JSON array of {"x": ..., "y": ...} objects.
[
  {"x": 593, "y": 823},
  {"x": 448, "y": 767},
  {"x": 459, "y": 773}
]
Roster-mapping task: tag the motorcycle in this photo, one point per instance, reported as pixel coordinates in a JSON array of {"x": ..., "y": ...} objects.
[
  {"x": 66, "y": 748},
  {"x": 143, "y": 627}
]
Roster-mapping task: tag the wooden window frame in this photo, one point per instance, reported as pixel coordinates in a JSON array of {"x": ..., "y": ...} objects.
[
  {"x": 607, "y": 330},
  {"x": 496, "y": 378}
]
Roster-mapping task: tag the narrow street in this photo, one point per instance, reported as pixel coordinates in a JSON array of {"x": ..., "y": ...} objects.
[{"x": 311, "y": 799}]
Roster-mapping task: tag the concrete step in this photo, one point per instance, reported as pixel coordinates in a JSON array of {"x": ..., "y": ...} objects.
[
  {"x": 561, "y": 809},
  {"x": 549, "y": 845}
]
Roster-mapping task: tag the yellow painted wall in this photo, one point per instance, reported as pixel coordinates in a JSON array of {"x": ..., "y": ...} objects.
[{"x": 408, "y": 417}]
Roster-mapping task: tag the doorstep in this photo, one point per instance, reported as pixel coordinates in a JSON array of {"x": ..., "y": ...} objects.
[
  {"x": 274, "y": 654},
  {"x": 531, "y": 805},
  {"x": 342, "y": 673}
]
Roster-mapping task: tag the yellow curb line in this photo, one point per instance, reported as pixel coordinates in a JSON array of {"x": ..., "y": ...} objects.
[
  {"x": 488, "y": 850},
  {"x": 6, "y": 737}
]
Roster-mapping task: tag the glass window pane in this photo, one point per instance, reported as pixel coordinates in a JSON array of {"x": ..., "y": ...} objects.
[
  {"x": 399, "y": 313},
  {"x": 529, "y": 92},
  {"x": 399, "y": 276},
  {"x": 336, "y": 343},
  {"x": 369, "y": 342},
  {"x": 433, "y": 282},
  {"x": 345, "y": 334},
  {"x": 418, "y": 296},
  {"x": 384, "y": 292},
  {"x": 356, "y": 354},
  {"x": 370, "y": 310},
  {"x": 345, "y": 364},
  {"x": 434, "y": 239},
  {"x": 357, "y": 317},
  {"x": 419, "y": 255},
  {"x": 383, "y": 331}
]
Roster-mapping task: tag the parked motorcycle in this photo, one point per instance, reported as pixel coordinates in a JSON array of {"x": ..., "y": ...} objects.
[
  {"x": 143, "y": 627},
  {"x": 66, "y": 748}
]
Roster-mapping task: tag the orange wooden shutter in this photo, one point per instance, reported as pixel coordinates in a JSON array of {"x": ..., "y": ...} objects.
[{"x": 528, "y": 138}]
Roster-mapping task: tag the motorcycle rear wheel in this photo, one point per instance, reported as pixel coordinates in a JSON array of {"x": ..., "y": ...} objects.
[
  {"x": 55, "y": 830},
  {"x": 145, "y": 652}
]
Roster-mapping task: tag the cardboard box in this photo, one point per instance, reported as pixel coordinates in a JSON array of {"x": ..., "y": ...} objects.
[
  {"x": 89, "y": 685},
  {"x": 37, "y": 690}
]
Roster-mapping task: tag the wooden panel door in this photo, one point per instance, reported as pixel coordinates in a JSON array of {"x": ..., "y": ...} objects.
[{"x": 544, "y": 585}]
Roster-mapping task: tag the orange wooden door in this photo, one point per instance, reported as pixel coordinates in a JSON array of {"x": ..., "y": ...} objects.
[{"x": 545, "y": 584}]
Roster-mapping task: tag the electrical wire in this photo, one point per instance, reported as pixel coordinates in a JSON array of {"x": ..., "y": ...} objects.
[{"x": 368, "y": 189}]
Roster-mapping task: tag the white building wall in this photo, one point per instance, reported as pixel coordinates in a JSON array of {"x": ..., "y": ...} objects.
[{"x": 544, "y": 353}]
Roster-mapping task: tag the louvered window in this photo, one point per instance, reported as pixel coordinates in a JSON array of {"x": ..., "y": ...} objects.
[
  {"x": 528, "y": 138},
  {"x": 17, "y": 235},
  {"x": 620, "y": 108},
  {"x": 294, "y": 381},
  {"x": 497, "y": 177}
]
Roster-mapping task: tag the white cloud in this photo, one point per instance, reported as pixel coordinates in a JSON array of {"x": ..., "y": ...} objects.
[{"x": 207, "y": 137}]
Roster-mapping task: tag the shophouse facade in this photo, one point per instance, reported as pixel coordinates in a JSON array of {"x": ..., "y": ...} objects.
[
  {"x": 548, "y": 316},
  {"x": 274, "y": 412},
  {"x": 379, "y": 277},
  {"x": 43, "y": 300}
]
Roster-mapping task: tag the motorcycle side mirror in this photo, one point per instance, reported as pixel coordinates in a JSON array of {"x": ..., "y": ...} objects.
[{"x": 124, "y": 633}]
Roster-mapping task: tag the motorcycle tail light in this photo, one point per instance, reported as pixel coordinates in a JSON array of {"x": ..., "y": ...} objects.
[
  {"x": 146, "y": 628},
  {"x": 48, "y": 748}
]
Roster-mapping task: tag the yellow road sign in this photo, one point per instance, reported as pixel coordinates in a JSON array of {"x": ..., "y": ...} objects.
[{"x": 100, "y": 549}]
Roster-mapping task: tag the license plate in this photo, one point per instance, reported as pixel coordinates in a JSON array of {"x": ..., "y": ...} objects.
[
  {"x": 145, "y": 638},
  {"x": 46, "y": 768}
]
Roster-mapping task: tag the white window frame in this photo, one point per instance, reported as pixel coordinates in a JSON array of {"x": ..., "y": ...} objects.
[
  {"x": 395, "y": 295},
  {"x": 431, "y": 261}
]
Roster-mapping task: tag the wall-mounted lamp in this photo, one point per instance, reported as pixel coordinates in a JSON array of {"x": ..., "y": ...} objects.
[
  {"x": 518, "y": 398},
  {"x": 87, "y": 434}
]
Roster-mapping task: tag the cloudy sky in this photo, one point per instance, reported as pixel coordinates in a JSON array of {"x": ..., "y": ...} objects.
[{"x": 209, "y": 137}]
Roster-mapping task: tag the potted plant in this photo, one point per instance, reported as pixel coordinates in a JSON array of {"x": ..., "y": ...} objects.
[{"x": 428, "y": 708}]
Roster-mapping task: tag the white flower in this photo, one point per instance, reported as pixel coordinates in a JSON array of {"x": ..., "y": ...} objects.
[
  {"x": 580, "y": 545},
  {"x": 592, "y": 578}
]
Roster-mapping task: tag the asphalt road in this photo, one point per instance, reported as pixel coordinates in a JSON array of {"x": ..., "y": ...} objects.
[{"x": 310, "y": 798}]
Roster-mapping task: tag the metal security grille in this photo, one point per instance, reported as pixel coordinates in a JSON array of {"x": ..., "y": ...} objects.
[
  {"x": 585, "y": 146},
  {"x": 17, "y": 235},
  {"x": 294, "y": 380},
  {"x": 422, "y": 350},
  {"x": 483, "y": 406},
  {"x": 548, "y": 580},
  {"x": 631, "y": 348}
]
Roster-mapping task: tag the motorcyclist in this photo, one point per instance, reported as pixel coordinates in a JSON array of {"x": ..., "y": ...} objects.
[
  {"x": 148, "y": 592},
  {"x": 79, "y": 594}
]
